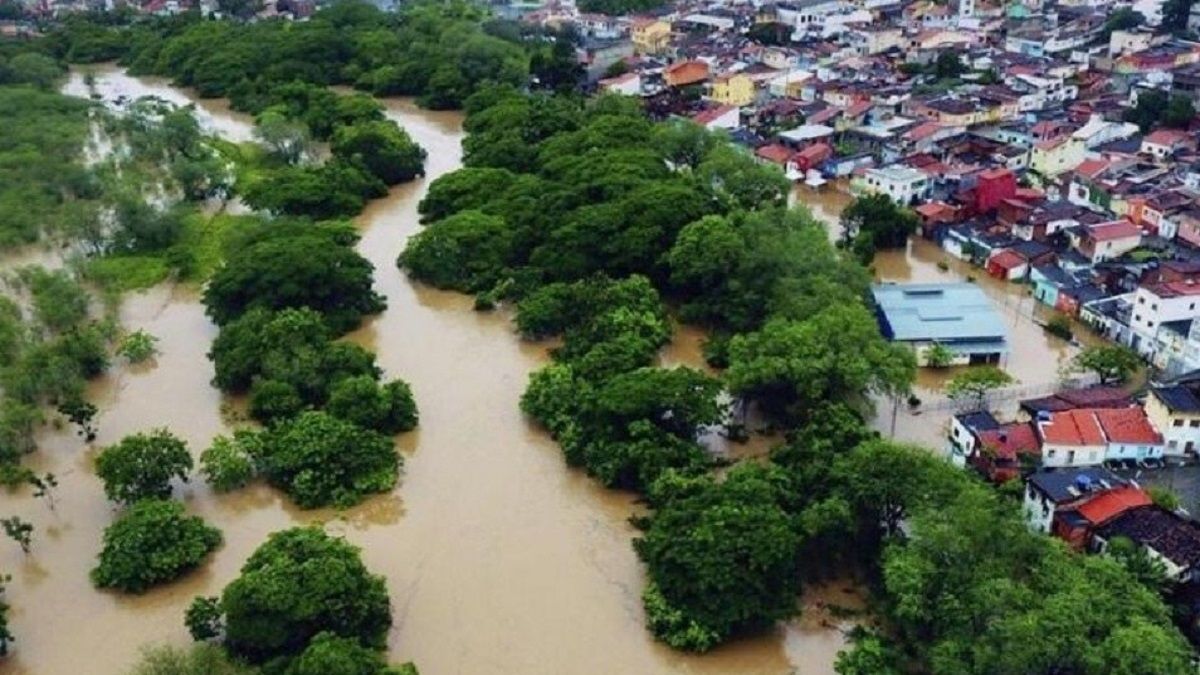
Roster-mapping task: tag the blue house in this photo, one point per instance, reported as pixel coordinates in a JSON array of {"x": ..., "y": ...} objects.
[{"x": 958, "y": 317}]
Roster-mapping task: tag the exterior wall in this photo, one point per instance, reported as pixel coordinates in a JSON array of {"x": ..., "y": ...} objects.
[
  {"x": 1039, "y": 511},
  {"x": 1063, "y": 157},
  {"x": 1130, "y": 451},
  {"x": 1054, "y": 455},
  {"x": 736, "y": 90},
  {"x": 1181, "y": 431},
  {"x": 1150, "y": 311},
  {"x": 651, "y": 38}
]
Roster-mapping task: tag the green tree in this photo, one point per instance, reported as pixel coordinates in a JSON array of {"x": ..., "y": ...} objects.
[
  {"x": 466, "y": 251},
  {"x": 970, "y": 388},
  {"x": 938, "y": 356},
  {"x": 876, "y": 222},
  {"x": 1122, "y": 18},
  {"x": 1113, "y": 363},
  {"x": 948, "y": 65},
  {"x": 328, "y": 654},
  {"x": 59, "y": 303},
  {"x": 137, "y": 346},
  {"x": 6, "y": 636},
  {"x": 382, "y": 148},
  {"x": 19, "y": 530},
  {"x": 152, "y": 543},
  {"x": 721, "y": 557},
  {"x": 141, "y": 466},
  {"x": 197, "y": 659},
  {"x": 320, "y": 460},
  {"x": 388, "y": 409},
  {"x": 281, "y": 273},
  {"x": 35, "y": 69},
  {"x": 790, "y": 367},
  {"x": 299, "y": 584},
  {"x": 1175, "y": 15},
  {"x": 1138, "y": 562},
  {"x": 227, "y": 464},
  {"x": 285, "y": 139}
]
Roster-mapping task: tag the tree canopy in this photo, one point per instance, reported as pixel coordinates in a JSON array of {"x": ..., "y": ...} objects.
[
  {"x": 143, "y": 465},
  {"x": 300, "y": 584},
  {"x": 152, "y": 543}
]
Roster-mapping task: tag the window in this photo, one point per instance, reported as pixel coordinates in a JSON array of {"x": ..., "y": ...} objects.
[
  {"x": 1177, "y": 423},
  {"x": 1154, "y": 306},
  {"x": 1194, "y": 424},
  {"x": 1141, "y": 301},
  {"x": 1051, "y": 454}
]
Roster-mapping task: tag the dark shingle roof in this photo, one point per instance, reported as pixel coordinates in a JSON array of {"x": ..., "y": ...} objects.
[
  {"x": 1178, "y": 398},
  {"x": 1175, "y": 537},
  {"x": 1056, "y": 483}
]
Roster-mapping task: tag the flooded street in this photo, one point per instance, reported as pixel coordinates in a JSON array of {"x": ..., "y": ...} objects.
[
  {"x": 1035, "y": 360},
  {"x": 498, "y": 558}
]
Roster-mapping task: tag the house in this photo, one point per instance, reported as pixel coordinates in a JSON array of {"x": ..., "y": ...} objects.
[
  {"x": 903, "y": 184},
  {"x": 720, "y": 117},
  {"x": 685, "y": 73},
  {"x": 735, "y": 90},
  {"x": 964, "y": 433},
  {"x": 958, "y": 317},
  {"x": 1104, "y": 241},
  {"x": 1071, "y": 438},
  {"x": 1007, "y": 264},
  {"x": 628, "y": 84},
  {"x": 1175, "y": 411},
  {"x": 1130, "y": 435},
  {"x": 1077, "y": 524},
  {"x": 1154, "y": 304},
  {"x": 992, "y": 187},
  {"x": 650, "y": 35},
  {"x": 1072, "y": 399},
  {"x": 1164, "y": 143},
  {"x": 1167, "y": 537},
  {"x": 1002, "y": 452},
  {"x": 1057, "y": 155},
  {"x": 1048, "y": 491}
]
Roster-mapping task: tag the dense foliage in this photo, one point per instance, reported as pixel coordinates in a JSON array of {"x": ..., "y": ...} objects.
[
  {"x": 142, "y": 466},
  {"x": 587, "y": 217},
  {"x": 293, "y": 267},
  {"x": 300, "y": 584},
  {"x": 198, "y": 659},
  {"x": 876, "y": 222},
  {"x": 437, "y": 51},
  {"x": 722, "y": 555},
  {"x": 320, "y": 460},
  {"x": 152, "y": 543}
]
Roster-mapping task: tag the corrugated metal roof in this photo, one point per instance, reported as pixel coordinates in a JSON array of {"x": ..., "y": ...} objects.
[{"x": 948, "y": 313}]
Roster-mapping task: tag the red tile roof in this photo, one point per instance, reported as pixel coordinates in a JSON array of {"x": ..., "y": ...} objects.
[
  {"x": 704, "y": 117},
  {"x": 1166, "y": 137},
  {"x": 1109, "y": 505},
  {"x": 1091, "y": 167},
  {"x": 774, "y": 152},
  {"x": 1174, "y": 289},
  {"x": 1116, "y": 229},
  {"x": 1006, "y": 259},
  {"x": 1127, "y": 425},
  {"x": 1072, "y": 427},
  {"x": 1011, "y": 440}
]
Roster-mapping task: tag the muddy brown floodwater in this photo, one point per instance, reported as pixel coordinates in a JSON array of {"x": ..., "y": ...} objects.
[{"x": 498, "y": 558}]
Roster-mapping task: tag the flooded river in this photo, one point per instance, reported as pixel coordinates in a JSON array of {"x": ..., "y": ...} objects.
[{"x": 498, "y": 558}]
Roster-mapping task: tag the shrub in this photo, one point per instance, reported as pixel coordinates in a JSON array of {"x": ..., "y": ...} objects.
[
  {"x": 226, "y": 464},
  {"x": 141, "y": 466},
  {"x": 152, "y": 543}
]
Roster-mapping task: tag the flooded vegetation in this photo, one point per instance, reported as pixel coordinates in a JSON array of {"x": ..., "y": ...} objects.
[{"x": 498, "y": 557}]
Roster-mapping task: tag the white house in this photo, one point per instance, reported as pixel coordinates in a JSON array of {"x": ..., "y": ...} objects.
[
  {"x": 903, "y": 184},
  {"x": 1175, "y": 411},
  {"x": 1154, "y": 304},
  {"x": 1071, "y": 438},
  {"x": 629, "y": 84},
  {"x": 1048, "y": 491}
]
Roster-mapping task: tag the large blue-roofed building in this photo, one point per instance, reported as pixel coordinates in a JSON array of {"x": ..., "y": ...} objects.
[{"x": 957, "y": 316}]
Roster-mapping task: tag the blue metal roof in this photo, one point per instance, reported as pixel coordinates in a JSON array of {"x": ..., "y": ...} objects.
[{"x": 957, "y": 315}]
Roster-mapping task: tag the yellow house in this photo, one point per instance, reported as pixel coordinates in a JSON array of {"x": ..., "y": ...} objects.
[
  {"x": 650, "y": 36},
  {"x": 1175, "y": 411},
  {"x": 736, "y": 90},
  {"x": 1057, "y": 155}
]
